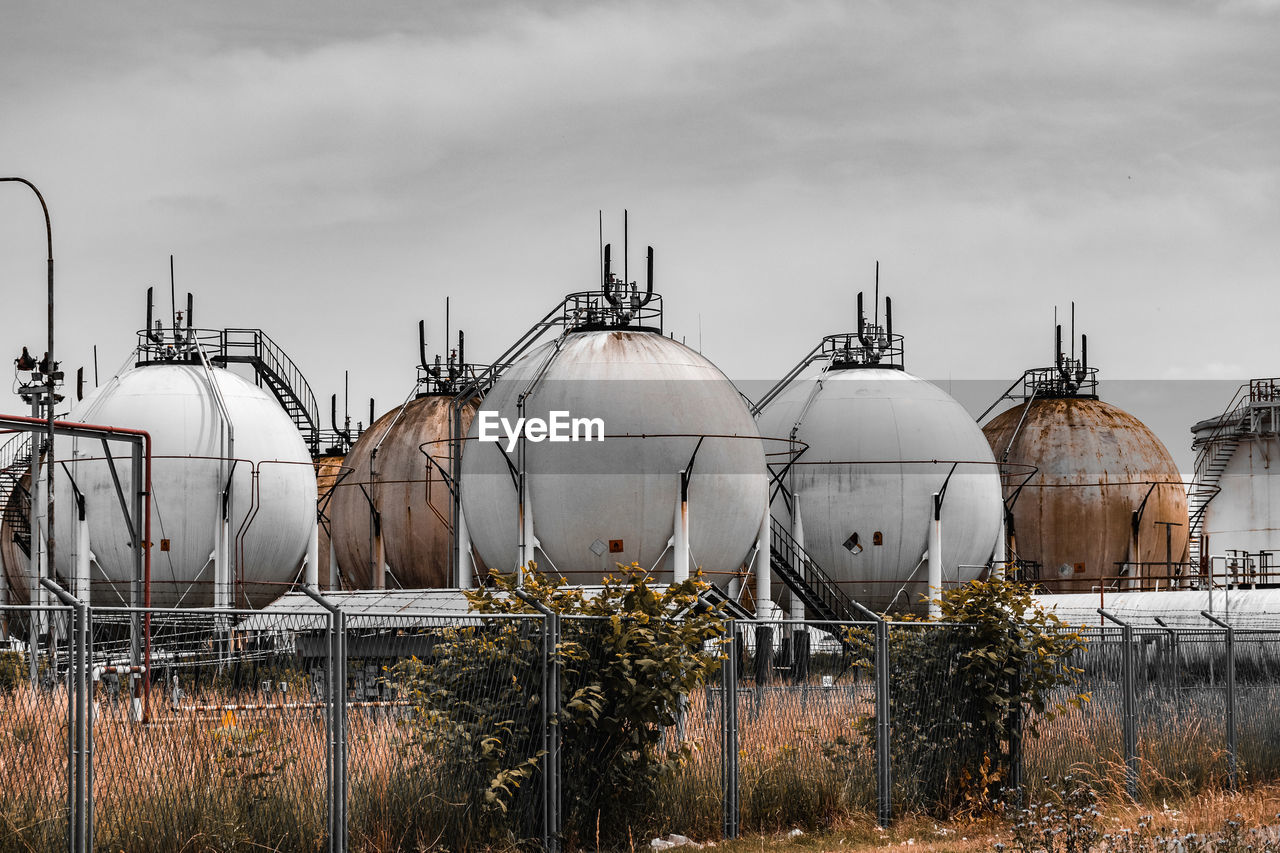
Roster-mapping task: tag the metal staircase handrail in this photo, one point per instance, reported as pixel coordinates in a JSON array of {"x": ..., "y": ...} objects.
[
  {"x": 282, "y": 374},
  {"x": 14, "y": 451},
  {"x": 811, "y": 583},
  {"x": 1230, "y": 419}
]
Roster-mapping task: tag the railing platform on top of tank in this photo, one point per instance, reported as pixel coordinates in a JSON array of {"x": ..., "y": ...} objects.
[
  {"x": 1072, "y": 379},
  {"x": 875, "y": 348},
  {"x": 1256, "y": 393},
  {"x": 593, "y": 310},
  {"x": 183, "y": 345}
]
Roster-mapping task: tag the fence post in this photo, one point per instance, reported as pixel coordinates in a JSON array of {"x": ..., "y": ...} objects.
[
  {"x": 552, "y": 816},
  {"x": 336, "y": 764},
  {"x": 1129, "y": 705},
  {"x": 78, "y": 722},
  {"x": 551, "y": 657},
  {"x": 731, "y": 809},
  {"x": 1232, "y": 755},
  {"x": 1015, "y": 738},
  {"x": 884, "y": 730},
  {"x": 884, "y": 763}
]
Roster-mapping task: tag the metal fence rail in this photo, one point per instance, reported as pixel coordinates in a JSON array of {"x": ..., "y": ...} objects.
[{"x": 327, "y": 730}]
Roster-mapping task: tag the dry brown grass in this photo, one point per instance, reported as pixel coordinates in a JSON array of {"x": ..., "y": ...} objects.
[
  {"x": 199, "y": 780},
  {"x": 1203, "y": 813}
]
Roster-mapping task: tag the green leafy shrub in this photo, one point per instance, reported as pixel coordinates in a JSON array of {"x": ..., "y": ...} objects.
[
  {"x": 957, "y": 691},
  {"x": 627, "y": 667}
]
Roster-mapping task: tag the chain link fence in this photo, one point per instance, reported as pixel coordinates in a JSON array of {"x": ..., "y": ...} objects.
[{"x": 317, "y": 729}]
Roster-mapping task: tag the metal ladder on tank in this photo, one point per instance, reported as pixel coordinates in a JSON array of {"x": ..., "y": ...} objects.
[
  {"x": 278, "y": 372},
  {"x": 822, "y": 596},
  {"x": 15, "y": 462},
  {"x": 1254, "y": 410},
  {"x": 1212, "y": 456}
]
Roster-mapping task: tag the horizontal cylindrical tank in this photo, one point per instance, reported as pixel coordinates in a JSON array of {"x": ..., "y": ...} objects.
[
  {"x": 391, "y": 482},
  {"x": 1096, "y": 466},
  {"x": 878, "y": 443},
  {"x": 590, "y": 505},
  {"x": 266, "y": 474},
  {"x": 1180, "y": 608}
]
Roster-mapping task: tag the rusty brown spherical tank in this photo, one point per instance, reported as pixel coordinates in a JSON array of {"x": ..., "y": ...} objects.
[
  {"x": 328, "y": 470},
  {"x": 1095, "y": 466},
  {"x": 391, "y": 476}
]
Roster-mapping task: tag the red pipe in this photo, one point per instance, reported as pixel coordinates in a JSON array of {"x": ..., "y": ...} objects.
[{"x": 90, "y": 429}]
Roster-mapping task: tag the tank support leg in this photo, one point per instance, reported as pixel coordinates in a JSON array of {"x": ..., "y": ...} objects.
[
  {"x": 312, "y": 576},
  {"x": 764, "y": 590},
  {"x": 334, "y": 582},
  {"x": 80, "y": 586},
  {"x": 680, "y": 539},
  {"x": 222, "y": 558},
  {"x": 935, "y": 557},
  {"x": 466, "y": 572}
]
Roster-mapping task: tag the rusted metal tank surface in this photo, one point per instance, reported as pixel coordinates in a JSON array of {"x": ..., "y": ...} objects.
[
  {"x": 328, "y": 470},
  {"x": 409, "y": 492},
  {"x": 1095, "y": 465}
]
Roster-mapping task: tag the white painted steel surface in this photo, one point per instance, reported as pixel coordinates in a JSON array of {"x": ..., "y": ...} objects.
[
  {"x": 269, "y": 533},
  {"x": 1245, "y": 515},
  {"x": 873, "y": 436},
  {"x": 656, "y": 397},
  {"x": 1177, "y": 608}
]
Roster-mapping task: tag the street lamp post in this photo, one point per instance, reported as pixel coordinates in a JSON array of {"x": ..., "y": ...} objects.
[{"x": 49, "y": 380}]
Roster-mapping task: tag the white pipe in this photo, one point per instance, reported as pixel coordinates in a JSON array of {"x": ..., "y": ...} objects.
[
  {"x": 221, "y": 559},
  {"x": 526, "y": 556},
  {"x": 1000, "y": 556},
  {"x": 80, "y": 584},
  {"x": 39, "y": 595},
  {"x": 680, "y": 539},
  {"x": 935, "y": 557},
  {"x": 312, "y": 576},
  {"x": 764, "y": 592},
  {"x": 334, "y": 581},
  {"x": 466, "y": 571}
]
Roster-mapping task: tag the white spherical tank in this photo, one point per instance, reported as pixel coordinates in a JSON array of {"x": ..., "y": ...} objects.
[
  {"x": 594, "y": 504},
  {"x": 272, "y": 488},
  {"x": 878, "y": 443}
]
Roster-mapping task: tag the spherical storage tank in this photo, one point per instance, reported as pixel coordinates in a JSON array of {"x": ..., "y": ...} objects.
[
  {"x": 390, "y": 487},
  {"x": 271, "y": 495},
  {"x": 1095, "y": 466},
  {"x": 592, "y": 504},
  {"x": 871, "y": 445}
]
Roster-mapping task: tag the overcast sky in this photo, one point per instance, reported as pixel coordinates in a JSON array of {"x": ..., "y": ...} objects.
[{"x": 331, "y": 171}]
